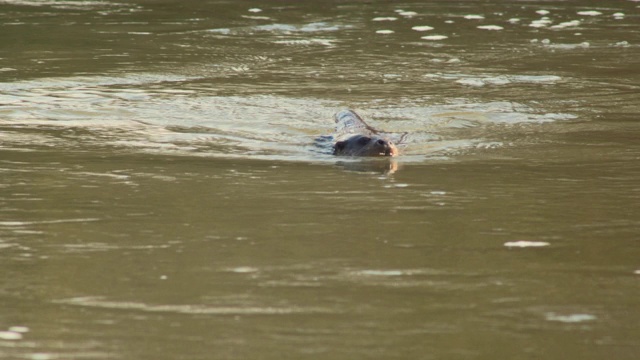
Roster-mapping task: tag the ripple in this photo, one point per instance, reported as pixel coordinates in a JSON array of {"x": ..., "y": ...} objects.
[
  {"x": 306, "y": 28},
  {"x": 150, "y": 113},
  {"x": 499, "y": 80},
  {"x": 60, "y": 221},
  {"x": 62, "y": 4},
  {"x": 100, "y": 302},
  {"x": 307, "y": 42}
]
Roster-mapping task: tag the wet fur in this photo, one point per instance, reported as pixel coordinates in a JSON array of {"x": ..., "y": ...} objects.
[{"x": 356, "y": 138}]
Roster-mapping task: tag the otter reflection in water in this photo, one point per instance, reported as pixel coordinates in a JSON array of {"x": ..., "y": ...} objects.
[{"x": 355, "y": 138}]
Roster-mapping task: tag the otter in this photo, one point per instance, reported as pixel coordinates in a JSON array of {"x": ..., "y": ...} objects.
[{"x": 356, "y": 138}]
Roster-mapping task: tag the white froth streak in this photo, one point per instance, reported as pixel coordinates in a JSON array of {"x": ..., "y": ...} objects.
[
  {"x": 490, "y": 27},
  {"x": 98, "y": 302},
  {"x": 422, "y": 28},
  {"x": 571, "y": 318},
  {"x": 523, "y": 244},
  {"x": 589, "y": 13},
  {"x": 566, "y": 24},
  {"x": 434, "y": 37},
  {"x": 388, "y": 18},
  {"x": 10, "y": 335},
  {"x": 23, "y": 223}
]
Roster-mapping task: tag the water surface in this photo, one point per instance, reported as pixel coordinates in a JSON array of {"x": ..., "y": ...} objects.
[{"x": 164, "y": 196}]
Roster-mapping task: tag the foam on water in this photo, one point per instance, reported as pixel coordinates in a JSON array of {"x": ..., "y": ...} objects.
[
  {"x": 10, "y": 335},
  {"x": 253, "y": 17},
  {"x": 566, "y": 24},
  {"x": 19, "y": 329},
  {"x": 307, "y": 42},
  {"x": 290, "y": 28},
  {"x": 422, "y": 28},
  {"x": 243, "y": 270},
  {"x": 408, "y": 13},
  {"x": 589, "y": 13},
  {"x": 525, "y": 244},
  {"x": 571, "y": 318},
  {"x": 387, "y": 18},
  {"x": 380, "y": 272},
  {"x": 60, "y": 221},
  {"x": 540, "y": 23},
  {"x": 101, "y": 302},
  {"x": 497, "y": 80},
  {"x": 490, "y": 27},
  {"x": 434, "y": 37}
]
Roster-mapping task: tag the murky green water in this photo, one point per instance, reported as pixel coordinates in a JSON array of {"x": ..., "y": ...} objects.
[{"x": 162, "y": 195}]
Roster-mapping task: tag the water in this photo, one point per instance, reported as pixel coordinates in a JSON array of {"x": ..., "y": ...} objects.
[{"x": 164, "y": 196}]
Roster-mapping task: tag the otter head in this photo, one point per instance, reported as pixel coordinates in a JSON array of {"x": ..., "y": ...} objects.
[{"x": 360, "y": 145}]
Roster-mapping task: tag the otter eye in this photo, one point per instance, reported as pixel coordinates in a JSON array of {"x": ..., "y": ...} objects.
[
  {"x": 380, "y": 142},
  {"x": 364, "y": 140}
]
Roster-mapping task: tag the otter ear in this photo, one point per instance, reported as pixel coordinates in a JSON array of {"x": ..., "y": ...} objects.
[{"x": 339, "y": 146}]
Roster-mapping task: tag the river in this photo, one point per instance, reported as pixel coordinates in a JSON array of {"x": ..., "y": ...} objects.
[{"x": 164, "y": 194}]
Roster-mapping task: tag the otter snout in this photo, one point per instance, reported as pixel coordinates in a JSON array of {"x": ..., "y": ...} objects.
[{"x": 385, "y": 147}]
